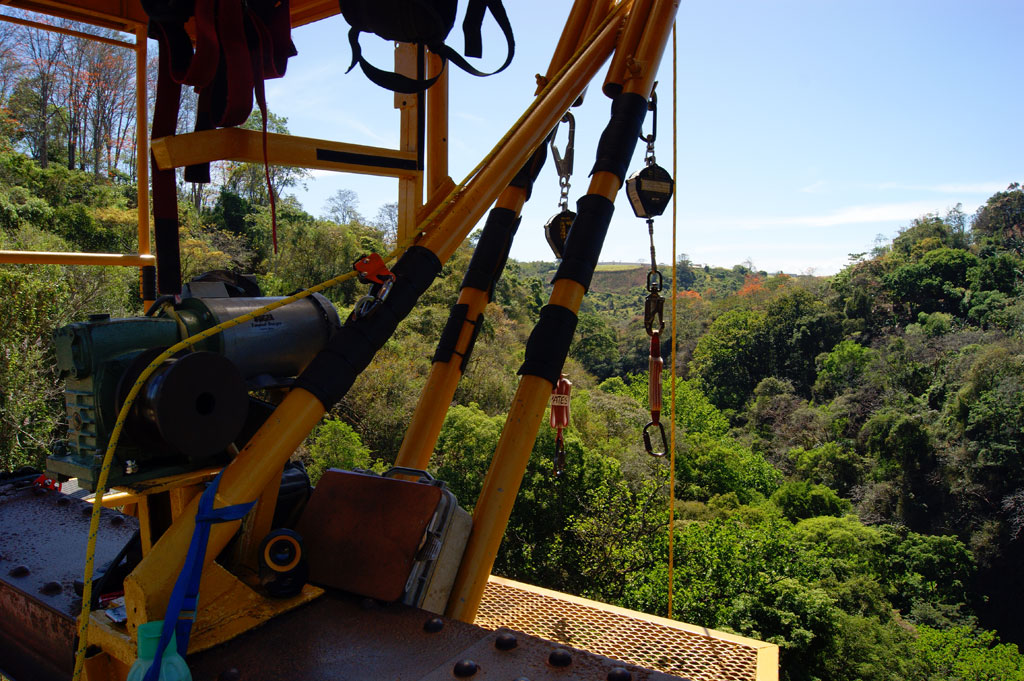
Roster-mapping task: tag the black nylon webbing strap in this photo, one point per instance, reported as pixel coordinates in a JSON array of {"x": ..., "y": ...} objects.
[
  {"x": 165, "y": 191},
  {"x": 583, "y": 245},
  {"x": 549, "y": 342},
  {"x": 332, "y": 372},
  {"x": 615, "y": 149},
  {"x": 488, "y": 261}
]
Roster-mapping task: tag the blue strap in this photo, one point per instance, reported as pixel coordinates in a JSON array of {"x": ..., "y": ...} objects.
[{"x": 181, "y": 609}]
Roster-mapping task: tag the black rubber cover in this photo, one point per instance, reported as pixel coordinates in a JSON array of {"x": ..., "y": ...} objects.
[
  {"x": 450, "y": 336},
  {"x": 549, "y": 342},
  {"x": 583, "y": 245},
  {"x": 488, "y": 261},
  {"x": 618, "y": 141},
  {"x": 147, "y": 278},
  {"x": 332, "y": 372},
  {"x": 527, "y": 175}
]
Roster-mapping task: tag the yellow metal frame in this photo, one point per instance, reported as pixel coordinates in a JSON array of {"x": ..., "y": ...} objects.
[
  {"x": 633, "y": 32},
  {"x": 127, "y": 17}
]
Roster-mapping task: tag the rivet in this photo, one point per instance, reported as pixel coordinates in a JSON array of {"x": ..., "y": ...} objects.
[
  {"x": 433, "y": 625},
  {"x": 229, "y": 674},
  {"x": 560, "y": 657},
  {"x": 50, "y": 589},
  {"x": 619, "y": 674},
  {"x": 465, "y": 668},
  {"x": 19, "y": 571},
  {"x": 505, "y": 641}
]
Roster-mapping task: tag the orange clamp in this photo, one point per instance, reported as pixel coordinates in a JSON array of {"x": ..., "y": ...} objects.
[{"x": 372, "y": 269}]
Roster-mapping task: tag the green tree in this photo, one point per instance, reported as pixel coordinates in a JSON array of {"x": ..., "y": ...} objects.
[
  {"x": 335, "y": 445},
  {"x": 729, "y": 359}
]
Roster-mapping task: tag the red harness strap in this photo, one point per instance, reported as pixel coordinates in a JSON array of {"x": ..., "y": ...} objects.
[{"x": 237, "y": 47}]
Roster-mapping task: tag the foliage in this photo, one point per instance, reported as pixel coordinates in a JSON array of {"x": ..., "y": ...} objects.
[{"x": 335, "y": 445}]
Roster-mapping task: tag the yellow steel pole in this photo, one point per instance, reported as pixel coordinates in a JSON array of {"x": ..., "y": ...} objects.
[
  {"x": 148, "y": 588},
  {"x": 444, "y": 377},
  {"x": 461, "y": 215},
  {"x": 51, "y": 258},
  {"x": 490, "y": 517},
  {"x": 627, "y": 48},
  {"x": 437, "y": 125},
  {"x": 570, "y": 40},
  {"x": 421, "y": 435}
]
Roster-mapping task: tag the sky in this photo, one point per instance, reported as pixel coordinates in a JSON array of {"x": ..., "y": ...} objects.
[{"x": 806, "y": 129}]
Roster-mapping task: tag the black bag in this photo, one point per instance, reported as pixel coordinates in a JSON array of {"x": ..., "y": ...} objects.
[{"x": 425, "y": 22}]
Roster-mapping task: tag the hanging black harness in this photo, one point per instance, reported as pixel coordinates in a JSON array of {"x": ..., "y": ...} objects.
[{"x": 425, "y": 22}]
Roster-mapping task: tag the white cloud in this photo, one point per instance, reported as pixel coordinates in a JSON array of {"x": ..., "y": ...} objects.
[
  {"x": 813, "y": 188},
  {"x": 850, "y": 215},
  {"x": 986, "y": 188}
]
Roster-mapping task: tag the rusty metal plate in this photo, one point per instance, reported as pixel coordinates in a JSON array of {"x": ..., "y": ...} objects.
[
  {"x": 42, "y": 550},
  {"x": 340, "y": 636},
  {"x": 361, "y": 533},
  {"x": 507, "y": 654}
]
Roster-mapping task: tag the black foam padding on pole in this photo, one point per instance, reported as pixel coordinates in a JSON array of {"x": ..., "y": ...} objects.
[
  {"x": 488, "y": 261},
  {"x": 450, "y": 334},
  {"x": 332, "y": 372},
  {"x": 583, "y": 245},
  {"x": 147, "y": 275},
  {"x": 527, "y": 175},
  {"x": 549, "y": 342},
  {"x": 618, "y": 141}
]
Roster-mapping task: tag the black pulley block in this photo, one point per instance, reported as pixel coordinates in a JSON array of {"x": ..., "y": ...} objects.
[
  {"x": 649, "y": 191},
  {"x": 557, "y": 231}
]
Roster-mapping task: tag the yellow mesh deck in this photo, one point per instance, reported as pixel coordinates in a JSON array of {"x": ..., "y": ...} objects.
[{"x": 656, "y": 643}]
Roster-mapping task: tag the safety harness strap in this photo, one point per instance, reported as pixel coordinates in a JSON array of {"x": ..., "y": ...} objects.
[{"x": 181, "y": 609}]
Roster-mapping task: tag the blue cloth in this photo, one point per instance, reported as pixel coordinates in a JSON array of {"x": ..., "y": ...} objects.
[{"x": 181, "y": 609}]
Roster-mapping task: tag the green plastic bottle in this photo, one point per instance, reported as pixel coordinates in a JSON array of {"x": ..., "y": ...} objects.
[{"x": 172, "y": 665}]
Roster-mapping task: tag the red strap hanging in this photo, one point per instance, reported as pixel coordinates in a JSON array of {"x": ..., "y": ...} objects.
[
  {"x": 560, "y": 419},
  {"x": 654, "y": 365}
]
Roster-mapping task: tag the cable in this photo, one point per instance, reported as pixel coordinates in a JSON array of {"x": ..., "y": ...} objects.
[{"x": 672, "y": 371}]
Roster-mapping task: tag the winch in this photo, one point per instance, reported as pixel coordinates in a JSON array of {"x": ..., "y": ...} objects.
[{"x": 197, "y": 404}]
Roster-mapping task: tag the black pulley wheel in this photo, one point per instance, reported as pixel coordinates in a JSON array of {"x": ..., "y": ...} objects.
[{"x": 197, "y": 402}]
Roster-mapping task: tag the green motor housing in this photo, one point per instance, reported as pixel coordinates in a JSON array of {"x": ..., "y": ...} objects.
[{"x": 197, "y": 403}]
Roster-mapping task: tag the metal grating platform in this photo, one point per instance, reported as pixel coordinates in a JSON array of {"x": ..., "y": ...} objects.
[{"x": 653, "y": 642}]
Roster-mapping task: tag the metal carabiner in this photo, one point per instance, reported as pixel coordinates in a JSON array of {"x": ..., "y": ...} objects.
[
  {"x": 654, "y": 313},
  {"x": 368, "y": 303},
  {"x": 652, "y": 106},
  {"x": 563, "y": 165},
  {"x": 648, "y": 445}
]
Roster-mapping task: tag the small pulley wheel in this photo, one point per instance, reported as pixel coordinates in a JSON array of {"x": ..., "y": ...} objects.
[{"x": 283, "y": 568}]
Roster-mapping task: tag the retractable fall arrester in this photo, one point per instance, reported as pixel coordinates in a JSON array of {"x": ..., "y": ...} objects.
[
  {"x": 649, "y": 192},
  {"x": 560, "y": 420},
  {"x": 557, "y": 228}
]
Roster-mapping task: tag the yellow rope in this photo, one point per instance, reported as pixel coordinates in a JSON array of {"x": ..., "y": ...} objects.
[{"x": 672, "y": 371}]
